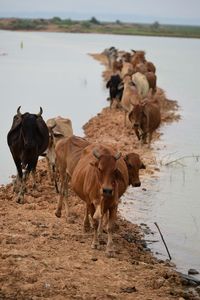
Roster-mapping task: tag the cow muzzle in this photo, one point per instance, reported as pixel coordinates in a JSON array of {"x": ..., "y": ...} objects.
[
  {"x": 137, "y": 184},
  {"x": 107, "y": 192}
]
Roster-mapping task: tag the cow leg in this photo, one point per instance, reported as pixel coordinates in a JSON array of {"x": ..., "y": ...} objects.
[
  {"x": 137, "y": 133},
  {"x": 17, "y": 183},
  {"x": 20, "y": 197},
  {"x": 62, "y": 191},
  {"x": 20, "y": 182},
  {"x": 49, "y": 167},
  {"x": 63, "y": 196},
  {"x": 125, "y": 118},
  {"x": 33, "y": 173},
  {"x": 95, "y": 241},
  {"x": 54, "y": 169},
  {"x": 66, "y": 194},
  {"x": 144, "y": 138},
  {"x": 110, "y": 246},
  {"x": 86, "y": 224},
  {"x": 62, "y": 172},
  {"x": 149, "y": 139},
  {"x": 110, "y": 99}
]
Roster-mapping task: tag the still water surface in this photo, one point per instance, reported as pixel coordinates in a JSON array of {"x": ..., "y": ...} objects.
[{"x": 54, "y": 70}]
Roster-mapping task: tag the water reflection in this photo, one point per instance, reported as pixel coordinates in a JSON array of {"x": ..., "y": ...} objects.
[{"x": 53, "y": 70}]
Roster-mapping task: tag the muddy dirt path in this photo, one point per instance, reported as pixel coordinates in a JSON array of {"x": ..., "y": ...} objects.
[{"x": 43, "y": 257}]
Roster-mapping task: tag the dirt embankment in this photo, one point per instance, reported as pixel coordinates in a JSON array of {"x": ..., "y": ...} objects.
[{"x": 43, "y": 257}]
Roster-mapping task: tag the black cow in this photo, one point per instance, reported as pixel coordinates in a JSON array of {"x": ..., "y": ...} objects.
[
  {"x": 27, "y": 139},
  {"x": 115, "y": 88}
]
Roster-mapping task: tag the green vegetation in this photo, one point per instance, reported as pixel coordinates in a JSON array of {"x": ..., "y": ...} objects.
[
  {"x": 23, "y": 24},
  {"x": 95, "y": 26}
]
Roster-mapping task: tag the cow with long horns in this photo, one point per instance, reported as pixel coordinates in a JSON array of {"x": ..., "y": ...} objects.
[{"x": 27, "y": 139}]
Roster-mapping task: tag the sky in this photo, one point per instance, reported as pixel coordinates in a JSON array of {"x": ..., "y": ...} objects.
[{"x": 141, "y": 11}]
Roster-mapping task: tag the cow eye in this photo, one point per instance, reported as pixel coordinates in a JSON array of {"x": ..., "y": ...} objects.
[{"x": 99, "y": 169}]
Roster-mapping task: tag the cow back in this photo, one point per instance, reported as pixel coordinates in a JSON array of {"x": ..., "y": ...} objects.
[
  {"x": 152, "y": 112},
  {"x": 141, "y": 83},
  {"x": 43, "y": 137},
  {"x": 68, "y": 152}
]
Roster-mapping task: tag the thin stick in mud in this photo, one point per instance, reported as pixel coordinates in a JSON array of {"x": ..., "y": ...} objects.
[{"x": 163, "y": 241}]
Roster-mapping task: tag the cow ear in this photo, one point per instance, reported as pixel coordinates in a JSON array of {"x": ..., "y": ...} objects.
[
  {"x": 94, "y": 164},
  {"x": 117, "y": 155},
  {"x": 130, "y": 116},
  {"x": 58, "y": 135},
  {"x": 118, "y": 174},
  {"x": 126, "y": 158},
  {"x": 120, "y": 86},
  {"x": 126, "y": 161},
  {"x": 108, "y": 84}
]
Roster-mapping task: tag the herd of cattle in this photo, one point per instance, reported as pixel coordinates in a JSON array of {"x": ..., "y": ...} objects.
[
  {"x": 98, "y": 173},
  {"x": 132, "y": 85}
]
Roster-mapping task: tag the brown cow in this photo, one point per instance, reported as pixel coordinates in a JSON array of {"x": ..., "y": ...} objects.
[
  {"x": 138, "y": 57},
  {"x": 68, "y": 152},
  {"x": 146, "y": 118},
  {"x": 150, "y": 67},
  {"x": 100, "y": 178},
  {"x": 130, "y": 96},
  {"x": 152, "y": 80}
]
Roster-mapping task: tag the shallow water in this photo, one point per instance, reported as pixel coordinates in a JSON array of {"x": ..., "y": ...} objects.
[
  {"x": 53, "y": 70},
  {"x": 172, "y": 199}
]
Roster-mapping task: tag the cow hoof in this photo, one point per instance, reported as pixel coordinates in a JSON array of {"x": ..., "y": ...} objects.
[
  {"x": 110, "y": 253},
  {"x": 70, "y": 220},
  {"x": 95, "y": 245},
  {"x": 58, "y": 214},
  {"x": 86, "y": 227},
  {"x": 20, "y": 200}
]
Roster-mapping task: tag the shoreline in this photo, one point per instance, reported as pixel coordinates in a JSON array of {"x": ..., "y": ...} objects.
[
  {"x": 45, "y": 257},
  {"x": 94, "y": 26}
]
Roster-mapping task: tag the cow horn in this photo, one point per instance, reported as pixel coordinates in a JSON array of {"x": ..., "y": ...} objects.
[
  {"x": 52, "y": 126},
  {"x": 118, "y": 155},
  {"x": 96, "y": 153},
  {"x": 18, "y": 111},
  {"x": 40, "y": 113}
]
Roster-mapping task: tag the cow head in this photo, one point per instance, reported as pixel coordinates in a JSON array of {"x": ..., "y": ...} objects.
[
  {"x": 135, "y": 115},
  {"x": 54, "y": 137},
  {"x": 107, "y": 170},
  {"x": 29, "y": 127},
  {"x": 134, "y": 164}
]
